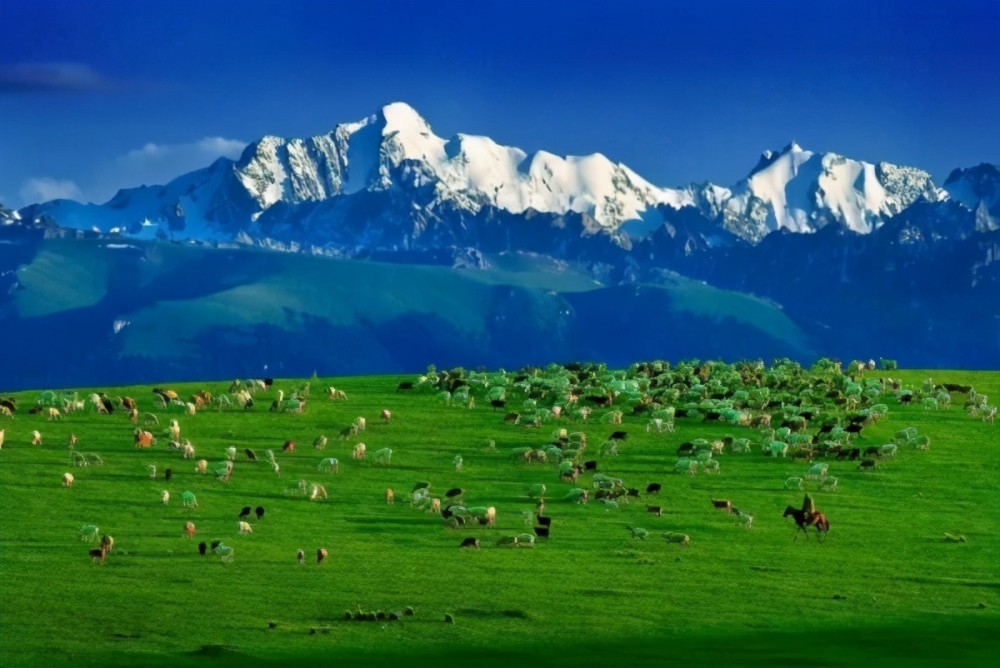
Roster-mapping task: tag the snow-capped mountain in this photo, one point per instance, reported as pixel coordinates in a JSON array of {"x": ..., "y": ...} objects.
[
  {"x": 977, "y": 189},
  {"x": 388, "y": 181},
  {"x": 803, "y": 191}
]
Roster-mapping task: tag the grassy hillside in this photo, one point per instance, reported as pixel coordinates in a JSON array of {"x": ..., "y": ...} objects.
[
  {"x": 198, "y": 312},
  {"x": 884, "y": 588}
]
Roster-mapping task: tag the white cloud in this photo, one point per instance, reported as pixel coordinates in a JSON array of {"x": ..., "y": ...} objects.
[
  {"x": 151, "y": 164},
  {"x": 157, "y": 164},
  {"x": 44, "y": 188}
]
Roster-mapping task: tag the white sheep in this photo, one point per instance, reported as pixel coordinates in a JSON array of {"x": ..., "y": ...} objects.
[
  {"x": 817, "y": 472},
  {"x": 225, "y": 553},
  {"x": 244, "y": 527},
  {"x": 89, "y": 532},
  {"x": 231, "y": 453},
  {"x": 67, "y": 479},
  {"x": 189, "y": 500},
  {"x": 320, "y": 442},
  {"x": 458, "y": 463},
  {"x": 36, "y": 438},
  {"x": 201, "y": 467},
  {"x": 359, "y": 451},
  {"x": 174, "y": 430},
  {"x": 187, "y": 450},
  {"x": 794, "y": 483},
  {"x": 686, "y": 466},
  {"x": 888, "y": 450},
  {"x": 329, "y": 465},
  {"x": 681, "y": 539},
  {"x": 359, "y": 424},
  {"x": 711, "y": 466},
  {"x": 165, "y": 497},
  {"x": 829, "y": 484},
  {"x": 53, "y": 413},
  {"x": 746, "y": 519},
  {"x": 150, "y": 467},
  {"x": 383, "y": 456},
  {"x": 316, "y": 492},
  {"x": 386, "y": 415}
]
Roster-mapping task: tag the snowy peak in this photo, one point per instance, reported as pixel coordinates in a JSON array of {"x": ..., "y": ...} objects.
[
  {"x": 978, "y": 190},
  {"x": 397, "y": 149},
  {"x": 802, "y": 191}
]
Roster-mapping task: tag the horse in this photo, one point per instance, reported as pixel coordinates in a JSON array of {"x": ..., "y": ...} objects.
[{"x": 804, "y": 520}]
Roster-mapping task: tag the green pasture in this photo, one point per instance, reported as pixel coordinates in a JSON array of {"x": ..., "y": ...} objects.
[{"x": 883, "y": 589}]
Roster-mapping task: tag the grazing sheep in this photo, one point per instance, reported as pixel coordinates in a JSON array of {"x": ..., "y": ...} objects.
[
  {"x": 36, "y": 438},
  {"x": 435, "y": 506},
  {"x": 89, "y": 532},
  {"x": 829, "y": 484},
  {"x": 689, "y": 466},
  {"x": 107, "y": 543},
  {"x": 537, "y": 491},
  {"x": 251, "y": 455},
  {"x": 794, "y": 483},
  {"x": 470, "y": 542},
  {"x": 316, "y": 492},
  {"x": 458, "y": 463},
  {"x": 867, "y": 465},
  {"x": 359, "y": 451},
  {"x": 386, "y": 415},
  {"x": 524, "y": 540},
  {"x": 710, "y": 466},
  {"x": 201, "y": 467},
  {"x": 174, "y": 430},
  {"x": 225, "y": 553},
  {"x": 723, "y": 504},
  {"x": 144, "y": 439},
  {"x": 259, "y": 512},
  {"x": 300, "y": 556},
  {"x": 655, "y": 510},
  {"x": 817, "y": 472},
  {"x": 359, "y": 424},
  {"x": 888, "y": 450},
  {"x": 681, "y": 539},
  {"x": 149, "y": 467},
  {"x": 187, "y": 450},
  {"x": 168, "y": 474},
  {"x": 954, "y": 538},
  {"x": 778, "y": 449},
  {"x": 97, "y": 554},
  {"x": 244, "y": 528},
  {"x": 653, "y": 488},
  {"x": 53, "y": 413},
  {"x": 189, "y": 500},
  {"x": 383, "y": 456},
  {"x": 390, "y": 496},
  {"x": 165, "y": 497},
  {"x": 542, "y": 532},
  {"x": 320, "y": 442},
  {"x": 245, "y": 512},
  {"x": 321, "y": 554},
  {"x": 746, "y": 519},
  {"x": 507, "y": 541},
  {"x": 67, "y": 479},
  {"x": 202, "y": 548},
  {"x": 329, "y": 465},
  {"x": 190, "y": 529},
  {"x": 638, "y": 532},
  {"x": 577, "y": 495},
  {"x": 491, "y": 516}
]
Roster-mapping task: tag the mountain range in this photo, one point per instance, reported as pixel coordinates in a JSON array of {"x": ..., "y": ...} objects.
[{"x": 811, "y": 254}]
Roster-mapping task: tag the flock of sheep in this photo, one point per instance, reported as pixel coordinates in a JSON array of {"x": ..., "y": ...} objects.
[{"x": 783, "y": 411}]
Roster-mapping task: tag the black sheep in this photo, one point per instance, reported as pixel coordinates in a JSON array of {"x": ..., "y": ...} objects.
[
  {"x": 259, "y": 510},
  {"x": 168, "y": 474},
  {"x": 470, "y": 542},
  {"x": 544, "y": 520},
  {"x": 245, "y": 512},
  {"x": 542, "y": 532},
  {"x": 653, "y": 488},
  {"x": 202, "y": 548}
]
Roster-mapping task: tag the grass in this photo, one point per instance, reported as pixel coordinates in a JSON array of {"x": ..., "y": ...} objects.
[{"x": 883, "y": 589}]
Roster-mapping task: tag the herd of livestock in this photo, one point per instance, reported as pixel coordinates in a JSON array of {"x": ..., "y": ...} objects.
[{"x": 784, "y": 410}]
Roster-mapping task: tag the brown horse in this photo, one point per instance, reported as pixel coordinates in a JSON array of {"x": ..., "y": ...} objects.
[{"x": 804, "y": 520}]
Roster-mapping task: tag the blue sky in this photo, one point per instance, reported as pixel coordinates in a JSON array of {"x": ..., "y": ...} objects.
[{"x": 98, "y": 94}]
